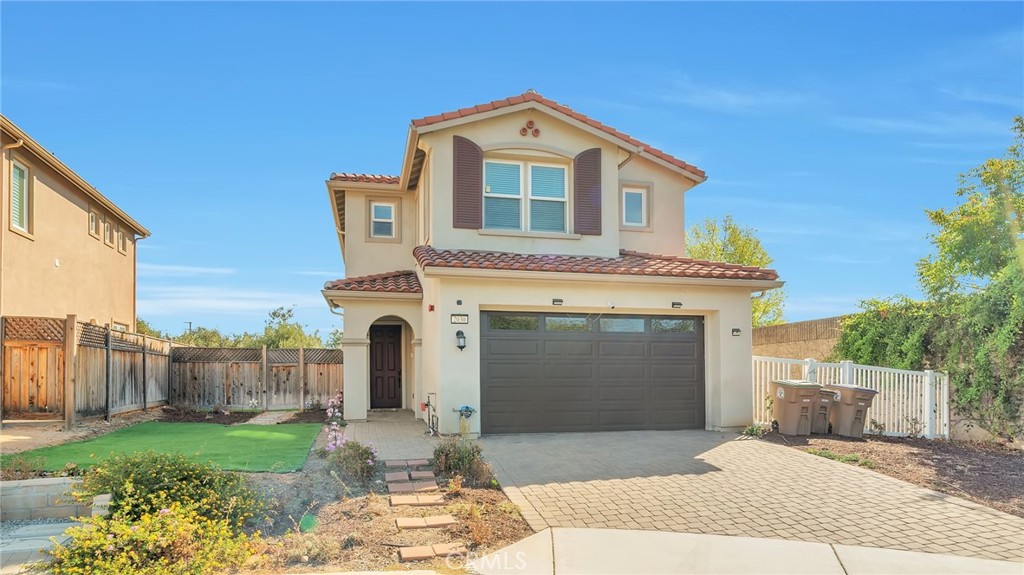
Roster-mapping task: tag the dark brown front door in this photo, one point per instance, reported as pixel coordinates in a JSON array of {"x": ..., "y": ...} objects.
[{"x": 385, "y": 366}]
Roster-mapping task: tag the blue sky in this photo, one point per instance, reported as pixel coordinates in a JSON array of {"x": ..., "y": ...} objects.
[{"x": 829, "y": 128}]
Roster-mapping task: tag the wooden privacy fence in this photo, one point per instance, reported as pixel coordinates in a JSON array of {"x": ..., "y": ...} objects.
[
  {"x": 60, "y": 367},
  {"x": 908, "y": 402},
  {"x": 254, "y": 378}
]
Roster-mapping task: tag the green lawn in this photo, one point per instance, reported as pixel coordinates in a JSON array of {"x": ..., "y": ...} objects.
[{"x": 277, "y": 448}]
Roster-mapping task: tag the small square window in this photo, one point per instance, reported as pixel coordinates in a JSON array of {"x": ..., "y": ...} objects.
[
  {"x": 634, "y": 207},
  {"x": 117, "y": 326},
  {"x": 382, "y": 220}
]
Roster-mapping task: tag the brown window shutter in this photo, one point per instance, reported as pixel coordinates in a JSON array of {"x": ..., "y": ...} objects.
[
  {"x": 587, "y": 184},
  {"x": 467, "y": 184}
]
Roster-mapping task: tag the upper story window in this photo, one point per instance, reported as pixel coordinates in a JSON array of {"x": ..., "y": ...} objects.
[
  {"x": 118, "y": 326},
  {"x": 108, "y": 232},
  {"x": 382, "y": 220},
  {"x": 20, "y": 204},
  {"x": 122, "y": 241},
  {"x": 525, "y": 196},
  {"x": 635, "y": 207},
  {"x": 94, "y": 224}
]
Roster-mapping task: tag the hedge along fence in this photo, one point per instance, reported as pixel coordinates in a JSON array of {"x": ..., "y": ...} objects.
[
  {"x": 254, "y": 378},
  {"x": 50, "y": 364}
]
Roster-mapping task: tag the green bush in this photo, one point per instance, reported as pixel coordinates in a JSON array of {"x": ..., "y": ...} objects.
[
  {"x": 356, "y": 459},
  {"x": 755, "y": 430},
  {"x": 175, "y": 540},
  {"x": 461, "y": 456},
  {"x": 142, "y": 484}
]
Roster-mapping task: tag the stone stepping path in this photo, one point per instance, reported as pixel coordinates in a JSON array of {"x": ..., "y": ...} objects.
[
  {"x": 431, "y": 522},
  {"x": 403, "y": 463},
  {"x": 424, "y": 552},
  {"x": 411, "y": 486},
  {"x": 417, "y": 500}
]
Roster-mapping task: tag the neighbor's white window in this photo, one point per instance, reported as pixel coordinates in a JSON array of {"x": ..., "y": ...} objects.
[
  {"x": 122, "y": 241},
  {"x": 108, "y": 232},
  {"x": 382, "y": 220},
  {"x": 94, "y": 224},
  {"x": 525, "y": 196},
  {"x": 19, "y": 197},
  {"x": 634, "y": 207},
  {"x": 117, "y": 326}
]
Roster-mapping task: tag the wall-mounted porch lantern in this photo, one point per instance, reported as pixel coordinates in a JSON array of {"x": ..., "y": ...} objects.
[
  {"x": 736, "y": 331},
  {"x": 460, "y": 340},
  {"x": 677, "y": 304}
]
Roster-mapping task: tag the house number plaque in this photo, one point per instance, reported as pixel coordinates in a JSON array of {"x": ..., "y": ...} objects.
[{"x": 460, "y": 318}]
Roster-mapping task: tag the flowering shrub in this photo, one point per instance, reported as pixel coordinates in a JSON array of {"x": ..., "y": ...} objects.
[
  {"x": 170, "y": 540},
  {"x": 144, "y": 483},
  {"x": 355, "y": 458},
  {"x": 335, "y": 422}
]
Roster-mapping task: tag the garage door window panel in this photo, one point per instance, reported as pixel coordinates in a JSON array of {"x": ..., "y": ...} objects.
[
  {"x": 661, "y": 325},
  {"x": 622, "y": 325},
  {"x": 504, "y": 322},
  {"x": 577, "y": 324}
]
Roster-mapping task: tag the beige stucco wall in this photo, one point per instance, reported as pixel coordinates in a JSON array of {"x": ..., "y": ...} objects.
[
  {"x": 365, "y": 255},
  {"x": 667, "y": 233},
  {"x": 360, "y": 314},
  {"x": 455, "y": 375},
  {"x": 61, "y": 269}
]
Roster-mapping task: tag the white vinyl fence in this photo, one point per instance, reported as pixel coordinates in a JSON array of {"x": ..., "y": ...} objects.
[{"x": 908, "y": 402}]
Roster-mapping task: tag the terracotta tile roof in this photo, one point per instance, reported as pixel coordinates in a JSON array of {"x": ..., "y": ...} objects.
[
  {"x": 535, "y": 97},
  {"x": 628, "y": 263},
  {"x": 392, "y": 282},
  {"x": 365, "y": 178}
]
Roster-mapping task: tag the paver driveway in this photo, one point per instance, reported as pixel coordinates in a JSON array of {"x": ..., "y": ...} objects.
[{"x": 706, "y": 482}]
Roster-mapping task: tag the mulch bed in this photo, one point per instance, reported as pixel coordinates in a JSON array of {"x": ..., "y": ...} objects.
[
  {"x": 355, "y": 523},
  {"x": 308, "y": 416},
  {"x": 191, "y": 416},
  {"x": 986, "y": 473}
]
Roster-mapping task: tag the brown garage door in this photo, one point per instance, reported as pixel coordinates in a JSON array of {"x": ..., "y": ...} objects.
[{"x": 571, "y": 372}]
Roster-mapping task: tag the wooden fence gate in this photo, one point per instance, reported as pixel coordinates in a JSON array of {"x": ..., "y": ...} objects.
[{"x": 33, "y": 368}]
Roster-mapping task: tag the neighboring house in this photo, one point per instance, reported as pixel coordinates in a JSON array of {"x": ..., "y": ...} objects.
[
  {"x": 529, "y": 263},
  {"x": 64, "y": 247}
]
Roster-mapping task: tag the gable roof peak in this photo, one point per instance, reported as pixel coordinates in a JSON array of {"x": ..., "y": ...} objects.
[{"x": 532, "y": 95}]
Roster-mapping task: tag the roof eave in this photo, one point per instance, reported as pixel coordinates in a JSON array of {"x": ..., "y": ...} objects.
[
  {"x": 480, "y": 273},
  {"x": 533, "y": 105},
  {"x": 61, "y": 168},
  {"x": 338, "y": 295}
]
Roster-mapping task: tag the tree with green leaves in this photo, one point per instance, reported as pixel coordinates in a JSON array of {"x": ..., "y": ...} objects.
[
  {"x": 972, "y": 324},
  {"x": 727, "y": 241},
  {"x": 142, "y": 326},
  {"x": 281, "y": 330},
  {"x": 334, "y": 338},
  {"x": 980, "y": 239}
]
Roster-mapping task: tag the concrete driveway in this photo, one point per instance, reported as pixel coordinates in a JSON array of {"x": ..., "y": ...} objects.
[{"x": 721, "y": 483}]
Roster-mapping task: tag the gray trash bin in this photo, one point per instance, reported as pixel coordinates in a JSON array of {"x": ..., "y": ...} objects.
[
  {"x": 793, "y": 403},
  {"x": 850, "y": 412},
  {"x": 821, "y": 415}
]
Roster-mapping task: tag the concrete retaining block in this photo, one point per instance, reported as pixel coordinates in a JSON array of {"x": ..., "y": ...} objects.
[{"x": 44, "y": 498}]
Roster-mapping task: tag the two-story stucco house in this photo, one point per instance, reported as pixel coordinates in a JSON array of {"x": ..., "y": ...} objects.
[
  {"x": 64, "y": 247},
  {"x": 529, "y": 262}
]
